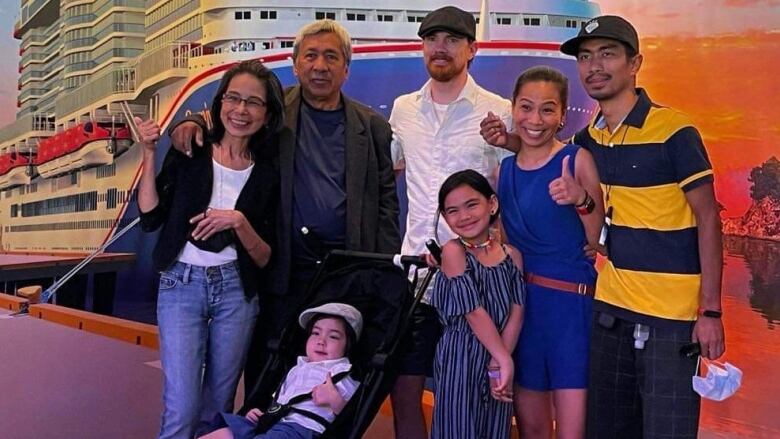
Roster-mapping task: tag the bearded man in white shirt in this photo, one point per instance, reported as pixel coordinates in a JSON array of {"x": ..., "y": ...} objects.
[{"x": 436, "y": 132}]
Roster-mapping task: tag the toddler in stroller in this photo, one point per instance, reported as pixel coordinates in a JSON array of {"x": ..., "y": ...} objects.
[
  {"x": 375, "y": 286},
  {"x": 316, "y": 389}
]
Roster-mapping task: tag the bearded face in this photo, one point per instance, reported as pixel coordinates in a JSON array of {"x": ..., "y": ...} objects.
[{"x": 447, "y": 55}]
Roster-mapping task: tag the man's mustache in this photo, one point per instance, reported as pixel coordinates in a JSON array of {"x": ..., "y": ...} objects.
[
  {"x": 597, "y": 77},
  {"x": 441, "y": 56}
]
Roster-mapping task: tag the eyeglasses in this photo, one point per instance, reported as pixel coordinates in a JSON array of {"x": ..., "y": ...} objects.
[{"x": 234, "y": 100}]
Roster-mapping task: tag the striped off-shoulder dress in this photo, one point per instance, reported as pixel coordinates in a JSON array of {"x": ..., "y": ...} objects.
[{"x": 463, "y": 406}]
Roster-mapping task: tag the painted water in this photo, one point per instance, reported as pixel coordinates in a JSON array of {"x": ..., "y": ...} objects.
[{"x": 751, "y": 304}]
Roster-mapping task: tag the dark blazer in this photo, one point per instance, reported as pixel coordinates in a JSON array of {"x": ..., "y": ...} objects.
[
  {"x": 184, "y": 190},
  {"x": 372, "y": 202}
]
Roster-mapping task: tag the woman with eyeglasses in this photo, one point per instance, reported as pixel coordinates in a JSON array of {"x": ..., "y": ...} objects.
[{"x": 216, "y": 211}]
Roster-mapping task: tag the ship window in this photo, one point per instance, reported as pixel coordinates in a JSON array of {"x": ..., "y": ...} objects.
[
  {"x": 504, "y": 21},
  {"x": 243, "y": 15},
  {"x": 268, "y": 15},
  {"x": 415, "y": 18},
  {"x": 356, "y": 17},
  {"x": 111, "y": 198},
  {"x": 532, "y": 21},
  {"x": 384, "y": 17},
  {"x": 106, "y": 171},
  {"x": 286, "y": 44},
  {"x": 571, "y": 23},
  {"x": 320, "y": 15}
]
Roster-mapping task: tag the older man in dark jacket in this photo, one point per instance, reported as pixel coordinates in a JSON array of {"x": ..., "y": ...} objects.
[{"x": 337, "y": 183}]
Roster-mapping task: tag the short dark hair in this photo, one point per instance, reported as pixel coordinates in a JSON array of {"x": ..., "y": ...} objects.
[
  {"x": 472, "y": 179},
  {"x": 274, "y": 103},
  {"x": 348, "y": 330},
  {"x": 544, "y": 74}
]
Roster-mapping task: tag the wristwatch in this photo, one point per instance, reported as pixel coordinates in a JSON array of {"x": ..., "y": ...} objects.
[
  {"x": 586, "y": 206},
  {"x": 710, "y": 313}
]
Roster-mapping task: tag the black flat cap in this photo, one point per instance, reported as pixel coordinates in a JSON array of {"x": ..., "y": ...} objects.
[
  {"x": 449, "y": 19},
  {"x": 606, "y": 26}
]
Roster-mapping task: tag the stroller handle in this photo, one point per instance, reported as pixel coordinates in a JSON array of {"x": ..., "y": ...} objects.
[{"x": 401, "y": 261}]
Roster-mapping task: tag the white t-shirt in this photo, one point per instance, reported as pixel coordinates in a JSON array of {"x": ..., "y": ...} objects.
[{"x": 225, "y": 189}]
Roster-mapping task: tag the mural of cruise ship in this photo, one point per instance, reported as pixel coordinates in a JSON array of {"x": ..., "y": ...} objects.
[{"x": 68, "y": 168}]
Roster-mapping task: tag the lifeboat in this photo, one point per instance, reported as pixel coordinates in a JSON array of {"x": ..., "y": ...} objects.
[
  {"x": 85, "y": 145},
  {"x": 15, "y": 170}
]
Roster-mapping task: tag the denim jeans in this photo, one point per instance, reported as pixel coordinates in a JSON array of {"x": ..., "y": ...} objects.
[
  {"x": 205, "y": 322},
  {"x": 242, "y": 428}
]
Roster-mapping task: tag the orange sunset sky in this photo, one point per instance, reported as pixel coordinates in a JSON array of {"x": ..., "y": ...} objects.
[
  {"x": 714, "y": 59},
  {"x": 718, "y": 61}
]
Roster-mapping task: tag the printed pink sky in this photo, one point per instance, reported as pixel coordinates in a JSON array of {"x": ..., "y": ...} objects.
[
  {"x": 656, "y": 17},
  {"x": 696, "y": 17}
]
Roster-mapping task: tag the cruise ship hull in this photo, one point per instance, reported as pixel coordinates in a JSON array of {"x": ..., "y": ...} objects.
[{"x": 377, "y": 75}]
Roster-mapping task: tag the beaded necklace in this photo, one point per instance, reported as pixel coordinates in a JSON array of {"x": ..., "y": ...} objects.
[{"x": 472, "y": 246}]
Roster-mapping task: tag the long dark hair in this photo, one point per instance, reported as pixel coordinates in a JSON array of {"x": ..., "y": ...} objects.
[
  {"x": 274, "y": 104},
  {"x": 472, "y": 179}
]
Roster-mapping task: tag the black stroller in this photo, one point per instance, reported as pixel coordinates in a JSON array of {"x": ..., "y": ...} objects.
[{"x": 375, "y": 285}]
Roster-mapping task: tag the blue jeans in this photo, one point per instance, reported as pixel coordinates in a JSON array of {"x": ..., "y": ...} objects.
[
  {"x": 205, "y": 322},
  {"x": 242, "y": 428}
]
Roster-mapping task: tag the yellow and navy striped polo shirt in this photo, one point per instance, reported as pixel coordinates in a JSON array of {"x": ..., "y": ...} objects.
[{"x": 646, "y": 166}]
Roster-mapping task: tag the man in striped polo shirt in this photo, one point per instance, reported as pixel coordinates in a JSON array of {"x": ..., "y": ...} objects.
[{"x": 660, "y": 287}]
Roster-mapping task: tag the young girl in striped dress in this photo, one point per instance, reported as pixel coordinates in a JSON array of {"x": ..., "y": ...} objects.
[{"x": 479, "y": 299}]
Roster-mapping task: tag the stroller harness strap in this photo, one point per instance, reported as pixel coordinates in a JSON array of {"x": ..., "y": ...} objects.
[{"x": 277, "y": 411}]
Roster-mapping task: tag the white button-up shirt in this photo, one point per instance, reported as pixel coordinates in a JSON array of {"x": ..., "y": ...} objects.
[
  {"x": 433, "y": 144},
  {"x": 303, "y": 378}
]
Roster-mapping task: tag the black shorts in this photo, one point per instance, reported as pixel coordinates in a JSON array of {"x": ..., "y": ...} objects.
[{"x": 420, "y": 342}]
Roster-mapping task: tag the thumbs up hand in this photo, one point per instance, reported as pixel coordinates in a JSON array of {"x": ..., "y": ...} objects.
[
  {"x": 327, "y": 395},
  {"x": 565, "y": 189},
  {"x": 148, "y": 131}
]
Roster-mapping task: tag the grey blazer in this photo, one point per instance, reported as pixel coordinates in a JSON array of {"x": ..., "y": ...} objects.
[{"x": 372, "y": 202}]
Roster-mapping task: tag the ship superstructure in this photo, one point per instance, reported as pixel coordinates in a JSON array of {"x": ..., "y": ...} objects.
[{"x": 67, "y": 166}]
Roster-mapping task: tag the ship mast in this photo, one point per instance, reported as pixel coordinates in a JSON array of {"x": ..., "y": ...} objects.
[{"x": 483, "y": 28}]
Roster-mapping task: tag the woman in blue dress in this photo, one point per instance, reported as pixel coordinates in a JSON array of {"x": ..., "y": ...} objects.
[
  {"x": 552, "y": 208},
  {"x": 479, "y": 300}
]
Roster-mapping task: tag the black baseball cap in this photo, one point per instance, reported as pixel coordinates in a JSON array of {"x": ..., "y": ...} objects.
[
  {"x": 450, "y": 19},
  {"x": 606, "y": 26}
]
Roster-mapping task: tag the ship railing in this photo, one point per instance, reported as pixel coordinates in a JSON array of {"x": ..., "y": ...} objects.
[
  {"x": 170, "y": 59},
  {"x": 40, "y": 123},
  {"x": 32, "y": 9},
  {"x": 38, "y": 35},
  {"x": 118, "y": 80}
]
